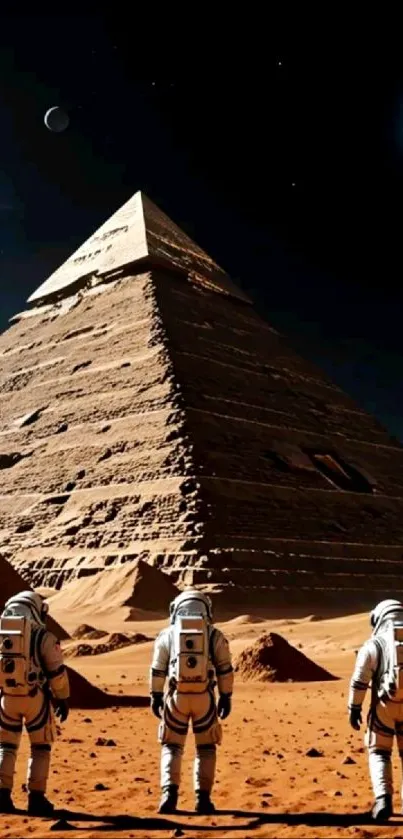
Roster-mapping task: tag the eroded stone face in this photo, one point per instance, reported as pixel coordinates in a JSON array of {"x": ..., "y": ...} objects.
[
  {"x": 154, "y": 415},
  {"x": 302, "y": 490},
  {"x": 99, "y": 469}
]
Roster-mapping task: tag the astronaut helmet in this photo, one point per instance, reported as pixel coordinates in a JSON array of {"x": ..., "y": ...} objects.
[
  {"x": 385, "y": 609},
  {"x": 27, "y": 604},
  {"x": 191, "y": 602}
]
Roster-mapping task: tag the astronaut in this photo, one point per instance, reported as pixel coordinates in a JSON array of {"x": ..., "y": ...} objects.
[
  {"x": 192, "y": 653},
  {"x": 380, "y": 661},
  {"x": 31, "y": 673}
]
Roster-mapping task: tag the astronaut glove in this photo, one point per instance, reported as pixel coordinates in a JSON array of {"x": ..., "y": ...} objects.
[
  {"x": 224, "y": 705},
  {"x": 355, "y": 718},
  {"x": 62, "y": 709},
  {"x": 157, "y": 704}
]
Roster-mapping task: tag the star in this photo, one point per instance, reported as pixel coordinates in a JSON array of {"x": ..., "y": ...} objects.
[{"x": 279, "y": 64}]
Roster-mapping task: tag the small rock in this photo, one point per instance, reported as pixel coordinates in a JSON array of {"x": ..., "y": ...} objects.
[
  {"x": 313, "y": 753},
  {"x": 62, "y": 825},
  {"x": 87, "y": 719},
  {"x": 100, "y": 787},
  {"x": 93, "y": 754},
  {"x": 264, "y": 803},
  {"x": 348, "y": 760},
  {"x": 337, "y": 793},
  {"x": 178, "y": 832}
]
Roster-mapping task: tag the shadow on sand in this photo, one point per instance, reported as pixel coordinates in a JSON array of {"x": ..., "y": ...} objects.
[
  {"x": 251, "y": 820},
  {"x": 144, "y": 824}
]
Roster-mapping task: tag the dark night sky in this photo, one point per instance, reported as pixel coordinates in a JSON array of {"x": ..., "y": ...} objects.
[{"x": 288, "y": 170}]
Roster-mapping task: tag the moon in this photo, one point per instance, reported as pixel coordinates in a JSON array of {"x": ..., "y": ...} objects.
[{"x": 56, "y": 119}]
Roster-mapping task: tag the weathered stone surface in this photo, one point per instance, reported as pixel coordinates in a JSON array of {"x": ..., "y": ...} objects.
[
  {"x": 137, "y": 231},
  {"x": 154, "y": 415}
]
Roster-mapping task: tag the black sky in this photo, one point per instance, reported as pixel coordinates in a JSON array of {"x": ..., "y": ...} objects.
[{"x": 287, "y": 168}]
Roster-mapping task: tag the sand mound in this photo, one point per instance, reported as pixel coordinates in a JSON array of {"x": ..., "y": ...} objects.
[
  {"x": 271, "y": 658},
  {"x": 134, "y": 588},
  {"x": 243, "y": 619},
  {"x": 85, "y": 695},
  {"x": 87, "y": 631},
  {"x": 12, "y": 583},
  {"x": 313, "y": 618},
  {"x": 115, "y": 641}
]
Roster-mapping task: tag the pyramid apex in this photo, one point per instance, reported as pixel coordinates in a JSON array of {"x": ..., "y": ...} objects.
[{"x": 138, "y": 232}]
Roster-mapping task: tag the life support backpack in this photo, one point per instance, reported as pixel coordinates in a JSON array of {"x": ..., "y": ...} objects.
[
  {"x": 190, "y": 666},
  {"x": 20, "y": 665},
  {"x": 390, "y": 670}
]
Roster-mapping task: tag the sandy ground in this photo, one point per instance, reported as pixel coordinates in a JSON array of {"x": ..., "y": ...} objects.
[{"x": 266, "y": 784}]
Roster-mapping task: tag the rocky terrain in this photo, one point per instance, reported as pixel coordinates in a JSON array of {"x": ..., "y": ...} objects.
[{"x": 289, "y": 765}]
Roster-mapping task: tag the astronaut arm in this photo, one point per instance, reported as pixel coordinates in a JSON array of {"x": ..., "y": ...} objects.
[
  {"x": 54, "y": 667},
  {"x": 223, "y": 663},
  {"x": 365, "y": 667},
  {"x": 160, "y": 663}
]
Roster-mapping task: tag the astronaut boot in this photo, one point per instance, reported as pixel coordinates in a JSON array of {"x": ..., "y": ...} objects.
[
  {"x": 6, "y": 802},
  {"x": 204, "y": 805},
  {"x": 39, "y": 805},
  {"x": 169, "y": 799},
  {"x": 382, "y": 809}
]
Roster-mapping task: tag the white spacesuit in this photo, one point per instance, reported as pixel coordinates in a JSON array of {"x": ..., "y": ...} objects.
[
  {"x": 31, "y": 672},
  {"x": 192, "y": 653},
  {"x": 380, "y": 661}
]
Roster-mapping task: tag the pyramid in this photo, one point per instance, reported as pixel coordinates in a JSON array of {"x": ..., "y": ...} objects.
[{"x": 147, "y": 412}]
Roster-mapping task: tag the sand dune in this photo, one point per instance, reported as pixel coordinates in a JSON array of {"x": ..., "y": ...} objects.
[{"x": 132, "y": 591}]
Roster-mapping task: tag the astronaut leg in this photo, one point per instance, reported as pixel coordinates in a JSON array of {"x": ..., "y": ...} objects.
[
  {"x": 379, "y": 740},
  {"x": 380, "y": 769},
  {"x": 40, "y": 725},
  {"x": 172, "y": 736},
  {"x": 10, "y": 736},
  {"x": 399, "y": 737},
  {"x": 207, "y": 731}
]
